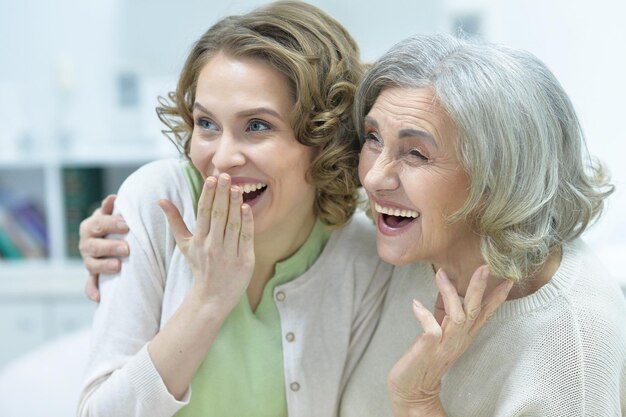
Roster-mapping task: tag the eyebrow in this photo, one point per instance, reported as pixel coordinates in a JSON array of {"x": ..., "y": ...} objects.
[
  {"x": 260, "y": 110},
  {"x": 249, "y": 112},
  {"x": 406, "y": 133}
]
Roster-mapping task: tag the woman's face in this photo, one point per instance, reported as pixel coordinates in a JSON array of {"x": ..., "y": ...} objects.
[
  {"x": 411, "y": 171},
  {"x": 241, "y": 127}
]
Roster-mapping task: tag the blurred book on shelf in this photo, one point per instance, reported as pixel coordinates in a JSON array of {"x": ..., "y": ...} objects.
[
  {"x": 82, "y": 190},
  {"x": 22, "y": 229}
]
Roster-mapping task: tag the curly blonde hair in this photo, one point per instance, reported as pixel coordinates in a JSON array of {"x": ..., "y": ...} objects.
[{"x": 321, "y": 61}]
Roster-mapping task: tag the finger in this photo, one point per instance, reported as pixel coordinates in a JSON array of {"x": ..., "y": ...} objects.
[
  {"x": 233, "y": 224},
  {"x": 205, "y": 204},
  {"x": 431, "y": 329},
  {"x": 100, "y": 225},
  {"x": 107, "y": 204},
  {"x": 177, "y": 224},
  {"x": 246, "y": 235},
  {"x": 91, "y": 288},
  {"x": 492, "y": 302},
  {"x": 220, "y": 210},
  {"x": 451, "y": 301},
  {"x": 100, "y": 247},
  {"x": 103, "y": 266},
  {"x": 475, "y": 293}
]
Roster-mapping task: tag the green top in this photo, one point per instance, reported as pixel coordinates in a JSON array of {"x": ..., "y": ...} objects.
[{"x": 242, "y": 375}]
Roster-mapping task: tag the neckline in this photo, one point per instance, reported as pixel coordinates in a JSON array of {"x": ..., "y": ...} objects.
[{"x": 560, "y": 281}]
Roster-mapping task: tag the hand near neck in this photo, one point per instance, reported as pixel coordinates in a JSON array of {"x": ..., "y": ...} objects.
[
  {"x": 460, "y": 272},
  {"x": 415, "y": 381}
]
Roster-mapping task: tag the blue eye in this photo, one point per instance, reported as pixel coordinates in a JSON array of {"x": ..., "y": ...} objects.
[
  {"x": 258, "y": 126},
  {"x": 205, "y": 124}
]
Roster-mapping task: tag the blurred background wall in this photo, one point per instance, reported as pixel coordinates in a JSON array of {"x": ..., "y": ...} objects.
[
  {"x": 78, "y": 87},
  {"x": 81, "y": 77}
]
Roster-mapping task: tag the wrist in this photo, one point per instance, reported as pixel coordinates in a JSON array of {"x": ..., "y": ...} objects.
[
  {"x": 408, "y": 404},
  {"x": 431, "y": 409},
  {"x": 209, "y": 309}
]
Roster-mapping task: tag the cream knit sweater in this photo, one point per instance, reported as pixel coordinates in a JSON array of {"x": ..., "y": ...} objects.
[{"x": 558, "y": 352}]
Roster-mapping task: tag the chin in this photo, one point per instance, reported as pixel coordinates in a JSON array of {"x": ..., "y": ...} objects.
[{"x": 394, "y": 255}]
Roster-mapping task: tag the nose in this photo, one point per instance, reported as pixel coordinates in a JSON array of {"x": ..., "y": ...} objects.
[
  {"x": 228, "y": 153},
  {"x": 382, "y": 174}
]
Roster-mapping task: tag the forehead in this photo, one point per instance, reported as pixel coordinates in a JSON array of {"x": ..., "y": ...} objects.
[
  {"x": 400, "y": 108},
  {"x": 224, "y": 70}
]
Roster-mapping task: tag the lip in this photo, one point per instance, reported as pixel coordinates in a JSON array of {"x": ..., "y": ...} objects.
[
  {"x": 386, "y": 230},
  {"x": 391, "y": 204},
  {"x": 241, "y": 180},
  {"x": 382, "y": 227},
  {"x": 246, "y": 180}
]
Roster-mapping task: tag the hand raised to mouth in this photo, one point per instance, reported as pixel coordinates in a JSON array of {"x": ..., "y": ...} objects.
[{"x": 221, "y": 252}]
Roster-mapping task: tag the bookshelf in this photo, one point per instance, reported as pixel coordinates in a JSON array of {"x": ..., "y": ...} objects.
[{"x": 41, "y": 293}]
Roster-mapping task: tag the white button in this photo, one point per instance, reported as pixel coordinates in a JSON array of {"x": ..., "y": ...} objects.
[
  {"x": 280, "y": 296},
  {"x": 290, "y": 337},
  {"x": 294, "y": 386}
]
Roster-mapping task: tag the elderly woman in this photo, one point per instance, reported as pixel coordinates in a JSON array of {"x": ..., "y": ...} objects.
[{"x": 473, "y": 155}]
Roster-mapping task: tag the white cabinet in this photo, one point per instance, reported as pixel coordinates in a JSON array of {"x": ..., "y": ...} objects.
[
  {"x": 40, "y": 301},
  {"x": 42, "y": 298},
  {"x": 22, "y": 328}
]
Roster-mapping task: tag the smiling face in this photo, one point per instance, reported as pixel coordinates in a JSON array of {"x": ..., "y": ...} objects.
[
  {"x": 414, "y": 178},
  {"x": 241, "y": 127}
]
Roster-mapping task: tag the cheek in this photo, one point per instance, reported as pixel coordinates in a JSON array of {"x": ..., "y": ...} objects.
[
  {"x": 365, "y": 164},
  {"x": 200, "y": 154}
]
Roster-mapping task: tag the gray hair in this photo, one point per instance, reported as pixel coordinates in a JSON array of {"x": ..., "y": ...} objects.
[{"x": 533, "y": 185}]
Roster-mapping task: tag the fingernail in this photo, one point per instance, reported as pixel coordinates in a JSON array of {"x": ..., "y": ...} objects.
[
  {"x": 223, "y": 180},
  {"x": 93, "y": 295},
  {"x": 442, "y": 275},
  {"x": 417, "y": 304},
  {"x": 121, "y": 250},
  {"x": 122, "y": 225},
  {"x": 210, "y": 182}
]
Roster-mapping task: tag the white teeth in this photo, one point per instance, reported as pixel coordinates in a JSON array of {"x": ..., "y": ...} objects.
[
  {"x": 248, "y": 188},
  {"x": 395, "y": 212}
]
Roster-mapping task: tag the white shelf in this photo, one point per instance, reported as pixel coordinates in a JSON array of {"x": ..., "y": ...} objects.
[{"x": 32, "y": 279}]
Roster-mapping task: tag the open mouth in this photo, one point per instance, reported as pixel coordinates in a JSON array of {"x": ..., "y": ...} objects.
[
  {"x": 252, "y": 192},
  {"x": 396, "y": 218}
]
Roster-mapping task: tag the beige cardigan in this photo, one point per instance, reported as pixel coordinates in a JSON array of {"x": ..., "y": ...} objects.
[{"x": 332, "y": 309}]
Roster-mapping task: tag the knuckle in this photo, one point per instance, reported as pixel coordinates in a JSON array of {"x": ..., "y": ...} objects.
[
  {"x": 82, "y": 247},
  {"x": 473, "y": 314},
  {"x": 233, "y": 227},
  {"x": 97, "y": 228},
  {"x": 217, "y": 214},
  {"x": 90, "y": 265},
  {"x": 431, "y": 335},
  {"x": 203, "y": 208},
  {"x": 489, "y": 314},
  {"x": 93, "y": 249}
]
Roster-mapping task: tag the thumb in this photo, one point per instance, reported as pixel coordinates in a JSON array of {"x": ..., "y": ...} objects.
[
  {"x": 176, "y": 222},
  {"x": 107, "y": 204}
]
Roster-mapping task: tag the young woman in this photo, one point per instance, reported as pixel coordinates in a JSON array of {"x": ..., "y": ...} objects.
[{"x": 244, "y": 302}]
